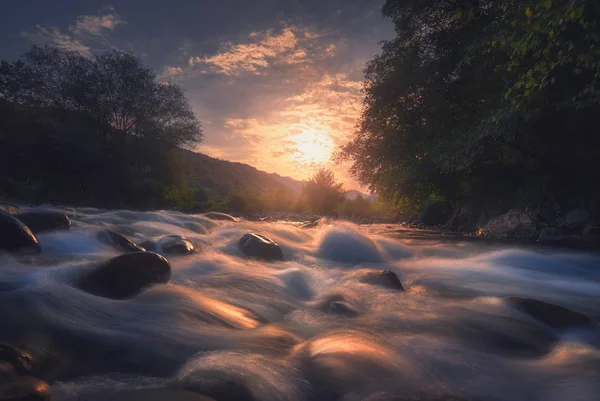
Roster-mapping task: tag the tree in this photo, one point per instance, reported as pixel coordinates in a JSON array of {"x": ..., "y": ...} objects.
[
  {"x": 486, "y": 104},
  {"x": 322, "y": 193},
  {"x": 114, "y": 88}
]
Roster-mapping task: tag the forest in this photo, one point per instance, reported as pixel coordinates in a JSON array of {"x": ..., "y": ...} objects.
[{"x": 488, "y": 106}]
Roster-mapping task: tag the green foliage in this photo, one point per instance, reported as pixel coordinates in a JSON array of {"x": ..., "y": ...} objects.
[
  {"x": 322, "y": 194},
  {"x": 485, "y": 104}
]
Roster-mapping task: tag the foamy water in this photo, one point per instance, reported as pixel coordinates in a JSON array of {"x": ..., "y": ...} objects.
[{"x": 269, "y": 332}]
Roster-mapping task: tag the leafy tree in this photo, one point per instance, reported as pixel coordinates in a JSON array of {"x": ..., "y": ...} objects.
[
  {"x": 322, "y": 193},
  {"x": 486, "y": 104}
]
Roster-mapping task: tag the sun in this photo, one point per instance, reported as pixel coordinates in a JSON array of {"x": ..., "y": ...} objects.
[{"x": 312, "y": 147}]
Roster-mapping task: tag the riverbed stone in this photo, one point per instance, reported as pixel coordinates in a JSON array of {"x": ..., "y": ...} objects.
[
  {"x": 16, "y": 236},
  {"x": 514, "y": 224},
  {"x": 555, "y": 316},
  {"x": 126, "y": 275},
  {"x": 260, "y": 247},
  {"x": 382, "y": 278},
  {"x": 40, "y": 221}
]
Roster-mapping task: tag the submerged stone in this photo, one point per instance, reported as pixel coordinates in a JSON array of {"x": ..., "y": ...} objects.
[
  {"x": 16, "y": 236},
  {"x": 44, "y": 221},
  {"x": 170, "y": 245},
  {"x": 557, "y": 317},
  {"x": 126, "y": 275},
  {"x": 260, "y": 247},
  {"x": 382, "y": 278}
]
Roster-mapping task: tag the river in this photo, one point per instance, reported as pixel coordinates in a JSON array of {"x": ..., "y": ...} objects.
[{"x": 307, "y": 328}]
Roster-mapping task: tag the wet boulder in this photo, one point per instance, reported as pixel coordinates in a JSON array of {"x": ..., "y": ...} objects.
[
  {"x": 170, "y": 245},
  {"x": 577, "y": 219},
  {"x": 557, "y": 317},
  {"x": 382, "y": 278},
  {"x": 174, "y": 245},
  {"x": 118, "y": 241},
  {"x": 219, "y": 216},
  {"x": 126, "y": 275},
  {"x": 514, "y": 224},
  {"x": 260, "y": 247},
  {"x": 435, "y": 213},
  {"x": 16, "y": 236},
  {"x": 25, "y": 389},
  {"x": 44, "y": 221}
]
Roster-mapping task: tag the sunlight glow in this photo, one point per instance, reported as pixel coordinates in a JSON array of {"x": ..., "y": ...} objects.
[{"x": 312, "y": 147}]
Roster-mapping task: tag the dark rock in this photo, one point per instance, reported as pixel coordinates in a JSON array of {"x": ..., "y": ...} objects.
[
  {"x": 342, "y": 308},
  {"x": 14, "y": 362},
  {"x": 543, "y": 213},
  {"x": 514, "y": 224},
  {"x": 174, "y": 245},
  {"x": 592, "y": 231},
  {"x": 436, "y": 213},
  {"x": 15, "y": 236},
  {"x": 577, "y": 219},
  {"x": 554, "y": 316},
  {"x": 117, "y": 241},
  {"x": 25, "y": 389},
  {"x": 44, "y": 221},
  {"x": 382, "y": 278},
  {"x": 9, "y": 208},
  {"x": 260, "y": 247},
  {"x": 170, "y": 245},
  {"x": 126, "y": 275},
  {"x": 219, "y": 216}
]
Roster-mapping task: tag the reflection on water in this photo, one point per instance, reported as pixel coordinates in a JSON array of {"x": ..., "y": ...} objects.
[{"x": 307, "y": 328}]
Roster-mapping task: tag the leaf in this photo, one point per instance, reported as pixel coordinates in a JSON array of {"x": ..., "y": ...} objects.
[{"x": 529, "y": 12}]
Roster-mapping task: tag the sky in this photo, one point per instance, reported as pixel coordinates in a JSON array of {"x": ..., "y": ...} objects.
[{"x": 275, "y": 83}]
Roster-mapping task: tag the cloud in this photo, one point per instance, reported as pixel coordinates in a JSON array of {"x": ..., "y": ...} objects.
[{"x": 79, "y": 36}]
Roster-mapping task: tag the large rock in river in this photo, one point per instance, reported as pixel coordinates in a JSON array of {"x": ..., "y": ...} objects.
[
  {"x": 15, "y": 236},
  {"x": 514, "y": 224},
  {"x": 126, "y": 275},
  {"x": 260, "y": 247},
  {"x": 14, "y": 362},
  {"x": 44, "y": 221},
  {"x": 557, "y": 317},
  {"x": 435, "y": 213}
]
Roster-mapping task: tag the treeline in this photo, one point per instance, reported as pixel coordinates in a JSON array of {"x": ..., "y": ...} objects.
[
  {"x": 487, "y": 105},
  {"x": 101, "y": 131}
]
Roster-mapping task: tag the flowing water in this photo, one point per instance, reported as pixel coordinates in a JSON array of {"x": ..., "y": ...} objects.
[{"x": 270, "y": 331}]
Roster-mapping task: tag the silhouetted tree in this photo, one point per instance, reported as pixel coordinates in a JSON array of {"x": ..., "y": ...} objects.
[{"x": 322, "y": 193}]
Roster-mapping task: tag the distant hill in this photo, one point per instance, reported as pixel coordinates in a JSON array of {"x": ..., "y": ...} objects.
[
  {"x": 225, "y": 177},
  {"x": 353, "y": 194}
]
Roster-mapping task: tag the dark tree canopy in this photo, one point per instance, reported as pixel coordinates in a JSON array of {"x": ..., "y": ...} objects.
[
  {"x": 486, "y": 104},
  {"x": 101, "y": 130}
]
